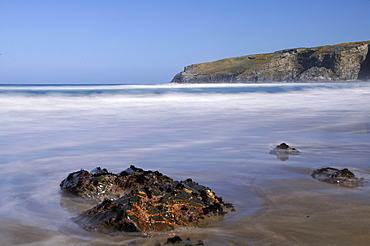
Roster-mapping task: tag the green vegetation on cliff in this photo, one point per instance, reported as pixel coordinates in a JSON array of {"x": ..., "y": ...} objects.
[{"x": 346, "y": 61}]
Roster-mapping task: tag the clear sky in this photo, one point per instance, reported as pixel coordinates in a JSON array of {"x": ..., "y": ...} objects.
[{"x": 149, "y": 41}]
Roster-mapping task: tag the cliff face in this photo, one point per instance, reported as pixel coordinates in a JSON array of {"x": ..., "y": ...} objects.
[{"x": 348, "y": 61}]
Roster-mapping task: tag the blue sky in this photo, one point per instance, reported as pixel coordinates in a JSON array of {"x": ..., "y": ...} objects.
[{"x": 145, "y": 42}]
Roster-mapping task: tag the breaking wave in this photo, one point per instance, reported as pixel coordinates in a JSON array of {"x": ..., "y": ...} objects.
[{"x": 164, "y": 89}]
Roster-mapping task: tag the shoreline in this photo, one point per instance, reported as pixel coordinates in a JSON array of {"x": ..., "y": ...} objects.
[
  {"x": 183, "y": 83},
  {"x": 276, "y": 82}
]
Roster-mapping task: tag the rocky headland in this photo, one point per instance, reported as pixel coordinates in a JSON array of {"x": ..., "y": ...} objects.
[{"x": 340, "y": 62}]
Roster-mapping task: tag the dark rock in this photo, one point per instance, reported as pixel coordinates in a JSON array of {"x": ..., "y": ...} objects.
[
  {"x": 173, "y": 240},
  {"x": 364, "y": 73},
  {"x": 283, "y": 151},
  {"x": 99, "y": 184},
  {"x": 176, "y": 240},
  {"x": 333, "y": 175},
  {"x": 149, "y": 201}
]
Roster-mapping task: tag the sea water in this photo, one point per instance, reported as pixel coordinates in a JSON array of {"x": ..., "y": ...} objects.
[{"x": 219, "y": 135}]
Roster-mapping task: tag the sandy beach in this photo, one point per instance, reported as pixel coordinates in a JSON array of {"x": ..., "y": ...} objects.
[
  {"x": 311, "y": 213},
  {"x": 219, "y": 137}
]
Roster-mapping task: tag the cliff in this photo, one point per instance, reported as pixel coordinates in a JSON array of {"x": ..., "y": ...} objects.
[{"x": 340, "y": 62}]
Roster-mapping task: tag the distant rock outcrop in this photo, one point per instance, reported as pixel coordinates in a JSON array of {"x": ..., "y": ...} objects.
[
  {"x": 283, "y": 151},
  {"x": 340, "y": 62},
  {"x": 336, "y": 176}
]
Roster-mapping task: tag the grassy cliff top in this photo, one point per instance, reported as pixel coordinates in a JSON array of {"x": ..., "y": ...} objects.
[{"x": 245, "y": 64}]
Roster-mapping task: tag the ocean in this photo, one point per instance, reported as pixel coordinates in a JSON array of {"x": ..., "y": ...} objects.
[{"x": 219, "y": 135}]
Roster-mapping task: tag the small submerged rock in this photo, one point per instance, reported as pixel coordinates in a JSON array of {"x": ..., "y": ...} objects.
[
  {"x": 283, "y": 151},
  {"x": 176, "y": 240},
  {"x": 141, "y": 201},
  {"x": 333, "y": 175}
]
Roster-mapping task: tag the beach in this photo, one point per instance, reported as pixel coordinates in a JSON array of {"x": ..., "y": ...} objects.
[{"x": 218, "y": 135}]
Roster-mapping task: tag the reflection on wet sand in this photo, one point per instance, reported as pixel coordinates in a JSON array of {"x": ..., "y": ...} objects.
[
  {"x": 283, "y": 151},
  {"x": 305, "y": 212}
]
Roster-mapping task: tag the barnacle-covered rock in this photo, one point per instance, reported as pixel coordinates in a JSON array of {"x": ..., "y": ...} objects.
[
  {"x": 283, "y": 151},
  {"x": 99, "y": 184},
  {"x": 149, "y": 201},
  {"x": 333, "y": 175}
]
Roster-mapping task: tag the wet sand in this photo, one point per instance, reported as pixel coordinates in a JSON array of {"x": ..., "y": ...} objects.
[
  {"x": 292, "y": 212},
  {"x": 219, "y": 140},
  {"x": 297, "y": 212},
  {"x": 309, "y": 212}
]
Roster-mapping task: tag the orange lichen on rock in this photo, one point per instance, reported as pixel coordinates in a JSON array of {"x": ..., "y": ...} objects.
[{"x": 152, "y": 202}]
